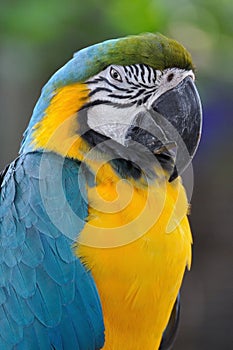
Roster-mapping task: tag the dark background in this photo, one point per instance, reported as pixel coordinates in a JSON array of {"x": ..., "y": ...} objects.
[{"x": 37, "y": 37}]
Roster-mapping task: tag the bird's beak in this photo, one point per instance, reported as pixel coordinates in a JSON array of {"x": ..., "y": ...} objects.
[{"x": 172, "y": 125}]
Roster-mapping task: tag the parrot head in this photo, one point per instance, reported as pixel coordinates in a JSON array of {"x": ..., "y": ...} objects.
[{"x": 132, "y": 98}]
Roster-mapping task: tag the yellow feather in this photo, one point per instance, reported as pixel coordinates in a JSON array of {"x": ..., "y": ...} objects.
[
  {"x": 138, "y": 281},
  {"x": 57, "y": 131}
]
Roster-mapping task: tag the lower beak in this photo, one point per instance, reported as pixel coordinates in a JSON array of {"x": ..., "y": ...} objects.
[{"x": 172, "y": 126}]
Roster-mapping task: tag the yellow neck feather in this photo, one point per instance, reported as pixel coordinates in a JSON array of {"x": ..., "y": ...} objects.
[{"x": 57, "y": 131}]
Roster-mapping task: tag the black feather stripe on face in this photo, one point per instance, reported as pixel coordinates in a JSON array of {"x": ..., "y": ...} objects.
[{"x": 140, "y": 81}]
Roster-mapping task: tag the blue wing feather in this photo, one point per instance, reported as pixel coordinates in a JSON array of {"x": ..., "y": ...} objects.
[
  {"x": 63, "y": 249},
  {"x": 11, "y": 257},
  {"x": 30, "y": 339},
  {"x": 32, "y": 250},
  {"x": 41, "y": 336},
  {"x": 45, "y": 303},
  {"x": 2, "y": 296},
  {"x": 48, "y": 300},
  {"x": 23, "y": 280},
  {"x": 17, "y": 308},
  {"x": 11, "y": 332},
  {"x": 69, "y": 335}
]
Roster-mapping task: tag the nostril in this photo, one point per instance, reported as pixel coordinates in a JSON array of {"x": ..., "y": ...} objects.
[{"x": 170, "y": 77}]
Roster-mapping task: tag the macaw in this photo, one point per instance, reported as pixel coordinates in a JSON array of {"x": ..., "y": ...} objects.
[{"x": 93, "y": 214}]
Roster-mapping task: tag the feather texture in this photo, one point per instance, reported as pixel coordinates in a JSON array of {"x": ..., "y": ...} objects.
[{"x": 47, "y": 298}]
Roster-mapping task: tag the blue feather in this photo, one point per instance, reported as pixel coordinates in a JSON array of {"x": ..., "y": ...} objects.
[
  {"x": 64, "y": 246},
  {"x": 42, "y": 336},
  {"x": 2, "y": 296},
  {"x": 12, "y": 256},
  {"x": 48, "y": 299},
  {"x": 56, "y": 338},
  {"x": 11, "y": 332},
  {"x": 59, "y": 271},
  {"x": 29, "y": 341},
  {"x": 33, "y": 251},
  {"x": 67, "y": 292},
  {"x": 68, "y": 333},
  {"x": 5, "y": 275},
  {"x": 45, "y": 303},
  {"x": 18, "y": 309},
  {"x": 24, "y": 280}
]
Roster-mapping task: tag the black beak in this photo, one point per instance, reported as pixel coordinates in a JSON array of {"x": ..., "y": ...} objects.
[
  {"x": 174, "y": 125},
  {"x": 181, "y": 107}
]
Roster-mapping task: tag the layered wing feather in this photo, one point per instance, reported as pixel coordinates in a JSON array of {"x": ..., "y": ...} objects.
[{"x": 48, "y": 300}]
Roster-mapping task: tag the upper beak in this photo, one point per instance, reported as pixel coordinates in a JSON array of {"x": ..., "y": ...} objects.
[{"x": 173, "y": 124}]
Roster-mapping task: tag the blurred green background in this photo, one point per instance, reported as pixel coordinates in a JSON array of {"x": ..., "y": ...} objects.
[{"x": 37, "y": 37}]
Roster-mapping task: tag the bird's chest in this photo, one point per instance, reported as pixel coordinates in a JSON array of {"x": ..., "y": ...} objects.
[{"x": 137, "y": 244}]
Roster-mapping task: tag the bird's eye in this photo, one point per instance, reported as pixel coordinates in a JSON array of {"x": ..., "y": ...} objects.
[{"x": 115, "y": 74}]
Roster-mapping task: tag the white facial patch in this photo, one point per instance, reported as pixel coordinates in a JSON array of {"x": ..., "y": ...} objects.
[{"x": 111, "y": 121}]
